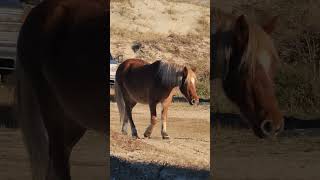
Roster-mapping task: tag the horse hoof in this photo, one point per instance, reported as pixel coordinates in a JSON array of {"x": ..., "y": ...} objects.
[
  {"x": 135, "y": 136},
  {"x": 166, "y": 137},
  {"x": 124, "y": 133},
  {"x": 147, "y": 134}
]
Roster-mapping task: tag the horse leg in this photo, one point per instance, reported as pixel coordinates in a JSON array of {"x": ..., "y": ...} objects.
[
  {"x": 58, "y": 167},
  {"x": 164, "y": 115},
  {"x": 121, "y": 104},
  {"x": 124, "y": 128},
  {"x": 153, "y": 111},
  {"x": 60, "y": 148},
  {"x": 73, "y": 133},
  {"x": 32, "y": 126},
  {"x": 62, "y": 132},
  {"x": 129, "y": 107}
]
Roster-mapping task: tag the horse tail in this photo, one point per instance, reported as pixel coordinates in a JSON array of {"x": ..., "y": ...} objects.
[
  {"x": 33, "y": 129},
  {"x": 120, "y": 101}
]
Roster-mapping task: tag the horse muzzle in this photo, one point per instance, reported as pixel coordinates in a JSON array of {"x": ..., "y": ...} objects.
[
  {"x": 269, "y": 130},
  {"x": 194, "y": 102}
]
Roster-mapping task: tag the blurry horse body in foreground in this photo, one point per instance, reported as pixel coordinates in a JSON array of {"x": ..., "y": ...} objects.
[
  {"x": 61, "y": 80},
  {"x": 246, "y": 60},
  {"x": 140, "y": 82}
]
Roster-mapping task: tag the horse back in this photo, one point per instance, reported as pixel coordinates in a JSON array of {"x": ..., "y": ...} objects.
[{"x": 134, "y": 68}]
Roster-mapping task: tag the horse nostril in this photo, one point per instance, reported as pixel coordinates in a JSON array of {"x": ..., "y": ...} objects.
[
  {"x": 193, "y": 101},
  {"x": 266, "y": 127}
]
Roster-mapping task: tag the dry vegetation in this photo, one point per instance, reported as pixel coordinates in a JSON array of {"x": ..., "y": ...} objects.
[
  {"x": 171, "y": 30},
  {"x": 297, "y": 38}
]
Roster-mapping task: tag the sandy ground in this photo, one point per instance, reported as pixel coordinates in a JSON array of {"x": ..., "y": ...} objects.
[
  {"x": 88, "y": 160},
  {"x": 189, "y": 146},
  {"x": 238, "y": 154}
]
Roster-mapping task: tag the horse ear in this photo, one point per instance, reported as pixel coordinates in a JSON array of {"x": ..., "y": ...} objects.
[
  {"x": 194, "y": 69},
  {"x": 185, "y": 72},
  {"x": 241, "y": 31},
  {"x": 270, "y": 26}
]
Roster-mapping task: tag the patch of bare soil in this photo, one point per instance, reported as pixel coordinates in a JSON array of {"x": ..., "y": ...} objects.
[
  {"x": 187, "y": 151},
  {"x": 238, "y": 154}
]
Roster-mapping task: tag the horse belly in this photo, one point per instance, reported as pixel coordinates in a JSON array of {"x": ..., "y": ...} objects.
[
  {"x": 138, "y": 82},
  {"x": 88, "y": 110},
  {"x": 140, "y": 96}
]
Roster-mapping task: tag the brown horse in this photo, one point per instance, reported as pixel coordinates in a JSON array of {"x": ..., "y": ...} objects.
[
  {"x": 246, "y": 60},
  {"x": 61, "y": 80},
  {"x": 140, "y": 82}
]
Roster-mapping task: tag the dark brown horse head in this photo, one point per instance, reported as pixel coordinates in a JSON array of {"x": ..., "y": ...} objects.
[
  {"x": 251, "y": 60},
  {"x": 188, "y": 85}
]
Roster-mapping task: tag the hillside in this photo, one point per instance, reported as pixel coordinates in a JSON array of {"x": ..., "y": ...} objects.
[{"x": 171, "y": 30}]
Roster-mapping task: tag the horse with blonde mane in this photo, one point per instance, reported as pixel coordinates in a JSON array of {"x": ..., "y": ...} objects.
[
  {"x": 61, "y": 80},
  {"x": 245, "y": 60},
  {"x": 140, "y": 82}
]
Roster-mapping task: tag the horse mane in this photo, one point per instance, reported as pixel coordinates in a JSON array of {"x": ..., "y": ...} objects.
[
  {"x": 258, "y": 38},
  {"x": 170, "y": 74}
]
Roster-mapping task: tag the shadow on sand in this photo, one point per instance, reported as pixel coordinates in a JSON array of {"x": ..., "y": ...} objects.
[{"x": 122, "y": 169}]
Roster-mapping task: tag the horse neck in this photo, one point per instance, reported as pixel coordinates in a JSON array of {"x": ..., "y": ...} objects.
[{"x": 170, "y": 75}]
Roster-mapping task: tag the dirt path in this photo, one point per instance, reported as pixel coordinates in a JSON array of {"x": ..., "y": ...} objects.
[
  {"x": 238, "y": 154},
  {"x": 189, "y": 146},
  {"x": 88, "y": 159}
]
